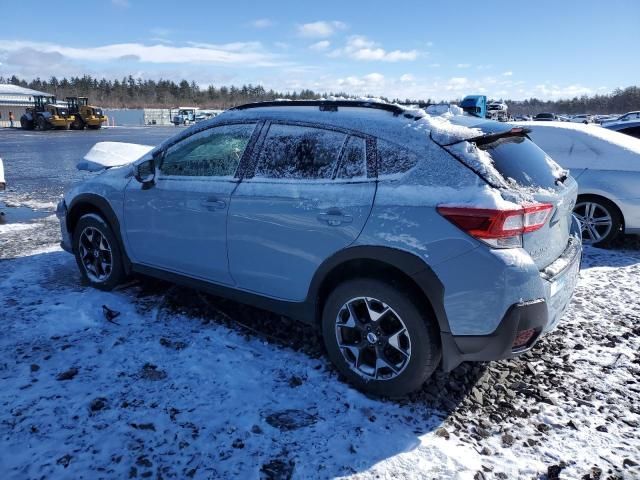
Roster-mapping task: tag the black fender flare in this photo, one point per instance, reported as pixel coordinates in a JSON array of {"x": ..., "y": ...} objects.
[
  {"x": 104, "y": 208},
  {"x": 408, "y": 263}
]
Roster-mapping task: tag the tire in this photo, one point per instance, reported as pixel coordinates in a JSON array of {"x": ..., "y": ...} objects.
[
  {"x": 590, "y": 208},
  {"x": 94, "y": 252},
  {"x": 359, "y": 297},
  {"x": 25, "y": 123},
  {"x": 78, "y": 123},
  {"x": 42, "y": 124}
]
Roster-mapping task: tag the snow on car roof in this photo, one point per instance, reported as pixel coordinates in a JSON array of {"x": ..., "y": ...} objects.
[{"x": 574, "y": 145}]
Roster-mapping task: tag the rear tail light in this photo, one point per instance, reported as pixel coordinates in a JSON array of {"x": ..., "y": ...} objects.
[{"x": 498, "y": 228}]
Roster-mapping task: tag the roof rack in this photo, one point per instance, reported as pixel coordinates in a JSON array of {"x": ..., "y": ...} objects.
[{"x": 325, "y": 105}]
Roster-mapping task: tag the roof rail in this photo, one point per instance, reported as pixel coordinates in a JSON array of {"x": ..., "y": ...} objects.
[{"x": 325, "y": 105}]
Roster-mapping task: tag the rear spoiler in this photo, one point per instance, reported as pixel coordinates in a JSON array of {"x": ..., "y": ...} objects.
[{"x": 492, "y": 137}]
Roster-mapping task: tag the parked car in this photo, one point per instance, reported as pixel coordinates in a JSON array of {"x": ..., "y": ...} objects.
[
  {"x": 627, "y": 117},
  {"x": 629, "y": 128},
  {"x": 545, "y": 117},
  {"x": 384, "y": 227},
  {"x": 581, "y": 119},
  {"x": 606, "y": 165}
]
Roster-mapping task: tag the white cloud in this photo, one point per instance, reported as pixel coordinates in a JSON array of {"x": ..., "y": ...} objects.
[
  {"x": 463, "y": 65},
  {"x": 262, "y": 23},
  {"x": 407, "y": 77},
  {"x": 508, "y": 73},
  {"x": 360, "y": 47},
  {"x": 195, "y": 53},
  {"x": 457, "y": 83},
  {"x": 362, "y": 84},
  {"x": 320, "y": 29},
  {"x": 555, "y": 91},
  {"x": 321, "y": 45}
]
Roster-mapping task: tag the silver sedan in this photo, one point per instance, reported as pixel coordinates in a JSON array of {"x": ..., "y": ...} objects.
[{"x": 606, "y": 165}]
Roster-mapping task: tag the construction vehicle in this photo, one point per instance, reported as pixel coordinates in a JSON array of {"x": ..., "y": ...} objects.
[
  {"x": 46, "y": 113},
  {"x": 85, "y": 115},
  {"x": 475, "y": 105}
]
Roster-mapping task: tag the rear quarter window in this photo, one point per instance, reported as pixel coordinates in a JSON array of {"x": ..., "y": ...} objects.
[{"x": 394, "y": 159}]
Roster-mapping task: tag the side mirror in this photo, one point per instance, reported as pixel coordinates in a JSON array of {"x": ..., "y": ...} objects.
[{"x": 145, "y": 173}]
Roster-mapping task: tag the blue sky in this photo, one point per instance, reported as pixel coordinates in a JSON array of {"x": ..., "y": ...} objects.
[{"x": 417, "y": 49}]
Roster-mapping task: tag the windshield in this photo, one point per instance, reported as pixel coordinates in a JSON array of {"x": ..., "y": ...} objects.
[{"x": 544, "y": 115}]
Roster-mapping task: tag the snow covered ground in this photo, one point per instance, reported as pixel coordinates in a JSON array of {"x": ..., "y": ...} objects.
[{"x": 182, "y": 385}]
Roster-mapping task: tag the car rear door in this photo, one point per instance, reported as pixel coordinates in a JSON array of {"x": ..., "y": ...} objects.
[
  {"x": 180, "y": 223},
  {"x": 309, "y": 195}
]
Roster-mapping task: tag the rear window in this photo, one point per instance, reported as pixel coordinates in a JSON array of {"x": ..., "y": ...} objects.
[{"x": 519, "y": 159}]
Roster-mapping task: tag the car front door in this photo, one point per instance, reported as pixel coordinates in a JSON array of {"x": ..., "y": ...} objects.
[
  {"x": 180, "y": 222},
  {"x": 309, "y": 196}
]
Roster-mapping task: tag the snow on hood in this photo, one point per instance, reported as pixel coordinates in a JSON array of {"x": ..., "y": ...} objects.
[
  {"x": 112, "y": 154},
  {"x": 578, "y": 146}
]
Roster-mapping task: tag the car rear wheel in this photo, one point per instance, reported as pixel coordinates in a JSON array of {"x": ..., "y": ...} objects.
[
  {"x": 379, "y": 338},
  {"x": 600, "y": 220},
  {"x": 97, "y": 253}
]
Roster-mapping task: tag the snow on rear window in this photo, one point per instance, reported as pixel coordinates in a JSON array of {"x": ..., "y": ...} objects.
[{"x": 295, "y": 152}]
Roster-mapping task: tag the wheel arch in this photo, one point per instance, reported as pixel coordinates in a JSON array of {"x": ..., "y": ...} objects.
[
  {"x": 91, "y": 203},
  {"x": 397, "y": 266}
]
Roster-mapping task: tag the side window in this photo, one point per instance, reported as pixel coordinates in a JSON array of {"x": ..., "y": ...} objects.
[
  {"x": 215, "y": 152},
  {"x": 393, "y": 159},
  {"x": 354, "y": 159},
  {"x": 299, "y": 152}
]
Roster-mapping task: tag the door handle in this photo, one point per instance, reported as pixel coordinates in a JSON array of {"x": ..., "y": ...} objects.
[
  {"x": 213, "y": 204},
  {"x": 334, "y": 217}
]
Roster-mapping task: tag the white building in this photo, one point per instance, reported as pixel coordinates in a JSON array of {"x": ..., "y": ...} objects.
[{"x": 15, "y": 99}]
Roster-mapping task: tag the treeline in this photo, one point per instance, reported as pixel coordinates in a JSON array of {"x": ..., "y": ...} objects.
[
  {"x": 130, "y": 92},
  {"x": 619, "y": 101},
  {"x": 138, "y": 93}
]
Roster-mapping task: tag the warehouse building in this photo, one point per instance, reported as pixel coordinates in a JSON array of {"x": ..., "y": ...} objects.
[{"x": 15, "y": 99}]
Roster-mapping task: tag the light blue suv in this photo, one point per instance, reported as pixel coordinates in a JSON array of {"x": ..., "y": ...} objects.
[{"x": 410, "y": 240}]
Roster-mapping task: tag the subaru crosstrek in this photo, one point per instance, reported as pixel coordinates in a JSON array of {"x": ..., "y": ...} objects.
[{"x": 410, "y": 240}]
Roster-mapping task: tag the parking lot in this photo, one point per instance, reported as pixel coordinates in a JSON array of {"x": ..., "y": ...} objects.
[{"x": 181, "y": 384}]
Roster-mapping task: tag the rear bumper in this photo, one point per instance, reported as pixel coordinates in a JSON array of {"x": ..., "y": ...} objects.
[
  {"x": 499, "y": 344},
  {"x": 538, "y": 316}
]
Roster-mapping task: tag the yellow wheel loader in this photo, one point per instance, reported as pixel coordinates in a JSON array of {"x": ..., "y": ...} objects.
[
  {"x": 46, "y": 113},
  {"x": 85, "y": 115}
]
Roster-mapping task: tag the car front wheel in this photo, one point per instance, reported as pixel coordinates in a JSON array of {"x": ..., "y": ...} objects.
[
  {"x": 97, "y": 253},
  {"x": 380, "y": 339}
]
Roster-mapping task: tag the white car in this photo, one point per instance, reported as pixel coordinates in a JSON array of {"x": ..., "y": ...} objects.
[
  {"x": 581, "y": 119},
  {"x": 606, "y": 165}
]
